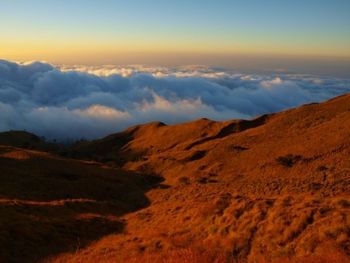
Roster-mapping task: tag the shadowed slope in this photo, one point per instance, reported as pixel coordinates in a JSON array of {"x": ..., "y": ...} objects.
[
  {"x": 274, "y": 187},
  {"x": 50, "y": 205},
  {"x": 25, "y": 140}
]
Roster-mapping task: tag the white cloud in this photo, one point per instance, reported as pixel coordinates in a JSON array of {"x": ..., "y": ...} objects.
[
  {"x": 102, "y": 112},
  {"x": 270, "y": 83},
  {"x": 70, "y": 102}
]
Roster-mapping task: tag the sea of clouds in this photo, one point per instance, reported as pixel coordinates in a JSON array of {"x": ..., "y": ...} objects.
[{"x": 73, "y": 102}]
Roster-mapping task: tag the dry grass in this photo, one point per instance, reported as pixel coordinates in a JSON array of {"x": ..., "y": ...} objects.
[
  {"x": 50, "y": 205},
  {"x": 274, "y": 189},
  {"x": 202, "y": 256}
]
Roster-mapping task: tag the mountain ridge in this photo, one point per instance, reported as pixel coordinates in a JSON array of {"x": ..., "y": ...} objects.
[{"x": 272, "y": 188}]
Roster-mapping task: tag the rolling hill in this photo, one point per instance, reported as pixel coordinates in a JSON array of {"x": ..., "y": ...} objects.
[{"x": 273, "y": 188}]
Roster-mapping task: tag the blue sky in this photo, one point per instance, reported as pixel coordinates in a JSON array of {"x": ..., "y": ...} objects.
[{"x": 103, "y": 28}]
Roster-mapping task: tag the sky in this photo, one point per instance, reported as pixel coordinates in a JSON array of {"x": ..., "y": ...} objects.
[
  {"x": 269, "y": 33},
  {"x": 82, "y": 68}
]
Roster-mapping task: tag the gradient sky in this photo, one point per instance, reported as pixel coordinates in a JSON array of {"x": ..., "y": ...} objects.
[{"x": 181, "y": 31}]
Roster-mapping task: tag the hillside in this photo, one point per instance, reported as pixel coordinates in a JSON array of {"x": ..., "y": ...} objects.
[
  {"x": 26, "y": 140},
  {"x": 271, "y": 188},
  {"x": 50, "y": 205}
]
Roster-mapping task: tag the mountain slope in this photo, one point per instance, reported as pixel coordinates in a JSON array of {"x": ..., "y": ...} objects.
[
  {"x": 273, "y": 187},
  {"x": 25, "y": 140},
  {"x": 50, "y": 205}
]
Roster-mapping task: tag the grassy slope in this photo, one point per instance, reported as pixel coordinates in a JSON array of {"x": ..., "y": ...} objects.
[
  {"x": 50, "y": 205},
  {"x": 277, "y": 186}
]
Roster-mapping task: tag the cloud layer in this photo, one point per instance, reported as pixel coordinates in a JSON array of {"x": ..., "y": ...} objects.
[{"x": 72, "y": 102}]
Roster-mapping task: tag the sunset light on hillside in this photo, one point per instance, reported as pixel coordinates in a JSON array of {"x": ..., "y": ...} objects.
[{"x": 186, "y": 131}]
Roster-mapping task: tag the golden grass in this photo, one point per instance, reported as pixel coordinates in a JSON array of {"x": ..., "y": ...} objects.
[
  {"x": 202, "y": 256},
  {"x": 274, "y": 189}
]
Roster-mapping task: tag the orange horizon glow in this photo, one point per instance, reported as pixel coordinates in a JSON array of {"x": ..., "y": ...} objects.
[
  {"x": 91, "y": 32},
  {"x": 97, "y": 53}
]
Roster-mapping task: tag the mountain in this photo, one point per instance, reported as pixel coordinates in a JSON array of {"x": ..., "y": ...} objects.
[
  {"x": 273, "y": 188},
  {"x": 25, "y": 140},
  {"x": 50, "y": 205}
]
